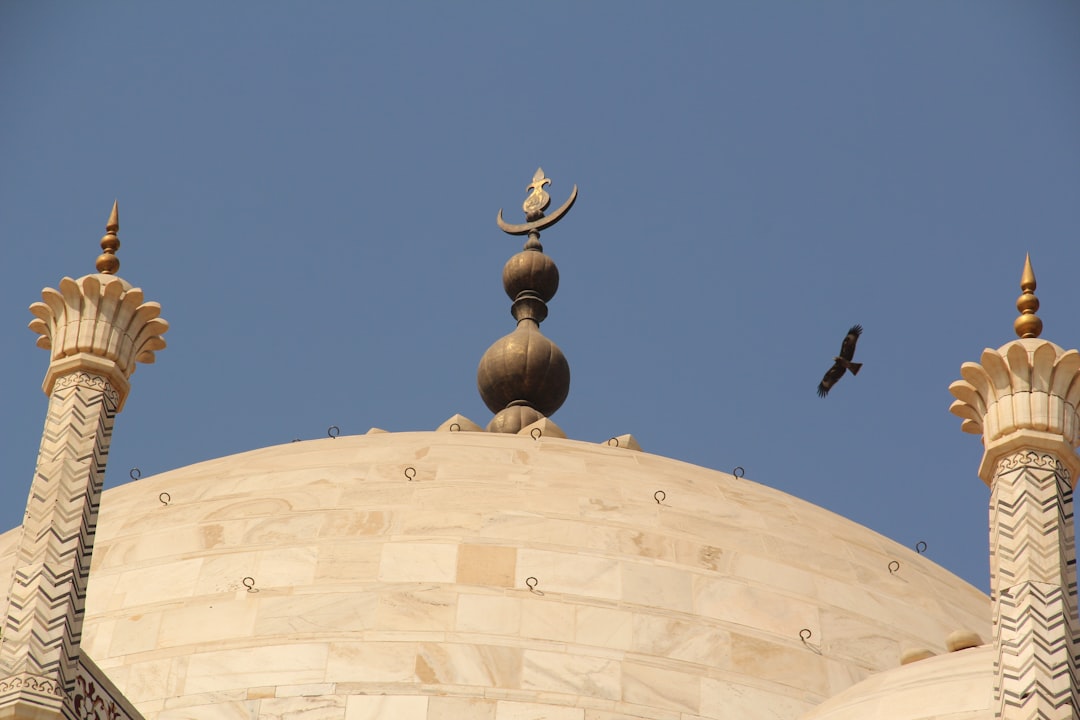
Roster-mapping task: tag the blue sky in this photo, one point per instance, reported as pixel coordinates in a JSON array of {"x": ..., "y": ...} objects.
[{"x": 310, "y": 191}]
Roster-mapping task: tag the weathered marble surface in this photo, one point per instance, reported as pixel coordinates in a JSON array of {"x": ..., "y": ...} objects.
[{"x": 315, "y": 580}]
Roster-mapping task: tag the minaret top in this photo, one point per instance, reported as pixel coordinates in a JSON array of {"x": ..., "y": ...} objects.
[
  {"x": 1028, "y": 325},
  {"x": 98, "y": 323},
  {"x": 1025, "y": 394},
  {"x": 107, "y": 262}
]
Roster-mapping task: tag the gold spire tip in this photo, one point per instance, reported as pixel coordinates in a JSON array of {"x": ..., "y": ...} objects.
[
  {"x": 107, "y": 262},
  {"x": 114, "y": 217},
  {"x": 1027, "y": 279},
  {"x": 1028, "y": 325}
]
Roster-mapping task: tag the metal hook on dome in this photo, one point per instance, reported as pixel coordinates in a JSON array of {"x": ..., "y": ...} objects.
[
  {"x": 804, "y": 635},
  {"x": 165, "y": 498},
  {"x": 738, "y": 471},
  {"x": 455, "y": 427},
  {"x": 532, "y": 582},
  {"x": 613, "y": 442},
  {"x": 659, "y": 496},
  {"x": 135, "y": 473},
  {"x": 920, "y": 547},
  {"x": 249, "y": 583},
  {"x": 894, "y": 567},
  {"x": 333, "y": 431},
  {"x": 536, "y": 433},
  {"x": 410, "y": 473}
]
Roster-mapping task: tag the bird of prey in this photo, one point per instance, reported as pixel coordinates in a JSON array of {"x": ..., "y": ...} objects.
[{"x": 842, "y": 362}]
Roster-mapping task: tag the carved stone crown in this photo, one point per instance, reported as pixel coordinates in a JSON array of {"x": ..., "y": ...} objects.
[
  {"x": 1025, "y": 393},
  {"x": 98, "y": 323}
]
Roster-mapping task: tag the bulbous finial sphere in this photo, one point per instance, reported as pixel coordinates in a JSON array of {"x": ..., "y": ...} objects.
[
  {"x": 1028, "y": 326},
  {"x": 524, "y": 368},
  {"x": 531, "y": 271}
]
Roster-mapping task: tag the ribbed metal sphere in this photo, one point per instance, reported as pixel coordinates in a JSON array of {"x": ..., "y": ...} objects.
[
  {"x": 524, "y": 366},
  {"x": 531, "y": 270}
]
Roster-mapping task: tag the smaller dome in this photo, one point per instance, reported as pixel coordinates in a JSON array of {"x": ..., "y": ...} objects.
[{"x": 957, "y": 686}]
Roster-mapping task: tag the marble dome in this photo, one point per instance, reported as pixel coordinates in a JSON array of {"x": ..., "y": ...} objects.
[{"x": 430, "y": 575}]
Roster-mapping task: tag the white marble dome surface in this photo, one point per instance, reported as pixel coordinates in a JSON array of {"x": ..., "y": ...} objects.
[{"x": 386, "y": 577}]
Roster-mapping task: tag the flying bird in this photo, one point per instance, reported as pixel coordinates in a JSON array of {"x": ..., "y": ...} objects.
[{"x": 842, "y": 362}]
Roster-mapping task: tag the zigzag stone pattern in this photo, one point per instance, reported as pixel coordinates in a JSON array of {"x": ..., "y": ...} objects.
[
  {"x": 1033, "y": 589},
  {"x": 43, "y": 624}
]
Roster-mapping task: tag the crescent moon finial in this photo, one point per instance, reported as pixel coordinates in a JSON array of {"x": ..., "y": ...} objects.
[{"x": 534, "y": 206}]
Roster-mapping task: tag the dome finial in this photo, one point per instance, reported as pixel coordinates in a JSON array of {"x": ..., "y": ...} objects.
[
  {"x": 107, "y": 262},
  {"x": 1028, "y": 325},
  {"x": 524, "y": 377}
]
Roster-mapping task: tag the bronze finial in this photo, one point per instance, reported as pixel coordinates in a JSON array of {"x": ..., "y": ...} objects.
[
  {"x": 1028, "y": 325},
  {"x": 524, "y": 377},
  {"x": 107, "y": 262},
  {"x": 534, "y": 206}
]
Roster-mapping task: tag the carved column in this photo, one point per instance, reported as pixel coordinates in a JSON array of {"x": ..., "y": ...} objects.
[
  {"x": 96, "y": 327},
  {"x": 1023, "y": 398}
]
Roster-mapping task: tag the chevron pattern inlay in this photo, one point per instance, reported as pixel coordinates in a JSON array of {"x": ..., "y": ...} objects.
[
  {"x": 1033, "y": 589},
  {"x": 43, "y": 624}
]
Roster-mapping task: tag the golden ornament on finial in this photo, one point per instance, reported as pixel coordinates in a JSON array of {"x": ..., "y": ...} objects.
[
  {"x": 1028, "y": 325},
  {"x": 107, "y": 261},
  {"x": 534, "y": 206},
  {"x": 537, "y": 200}
]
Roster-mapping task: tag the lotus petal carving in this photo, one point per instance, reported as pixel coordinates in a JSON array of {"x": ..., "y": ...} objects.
[
  {"x": 100, "y": 315},
  {"x": 1027, "y": 384}
]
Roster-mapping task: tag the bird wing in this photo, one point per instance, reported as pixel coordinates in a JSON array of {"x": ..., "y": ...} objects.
[
  {"x": 831, "y": 376},
  {"x": 847, "y": 348}
]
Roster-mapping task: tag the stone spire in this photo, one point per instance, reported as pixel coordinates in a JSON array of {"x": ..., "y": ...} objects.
[
  {"x": 524, "y": 377},
  {"x": 96, "y": 328},
  {"x": 1023, "y": 399}
]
